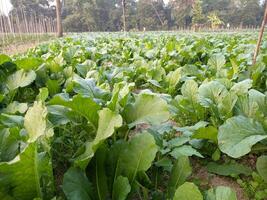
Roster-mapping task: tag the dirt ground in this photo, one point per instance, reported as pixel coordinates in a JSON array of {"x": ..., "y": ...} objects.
[
  {"x": 210, "y": 180},
  {"x": 18, "y": 48}
]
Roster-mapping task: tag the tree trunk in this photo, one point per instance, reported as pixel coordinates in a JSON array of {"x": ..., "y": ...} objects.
[
  {"x": 123, "y": 12},
  {"x": 59, "y": 20}
]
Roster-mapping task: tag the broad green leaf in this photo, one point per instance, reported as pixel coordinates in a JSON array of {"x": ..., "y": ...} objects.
[
  {"x": 148, "y": 108},
  {"x": 227, "y": 104},
  {"x": 185, "y": 150},
  {"x": 9, "y": 143},
  {"x": 238, "y": 134},
  {"x": 85, "y": 67},
  {"x": 108, "y": 122},
  {"x": 97, "y": 173},
  {"x": 2, "y": 96},
  {"x": 138, "y": 155},
  {"x": 83, "y": 105},
  {"x": 261, "y": 166},
  {"x": 88, "y": 88},
  {"x": 114, "y": 159},
  {"x": 188, "y": 191},
  {"x": 189, "y": 130},
  {"x": 252, "y": 105},
  {"x": 181, "y": 170},
  {"x": 28, "y": 176},
  {"x": 28, "y": 63},
  {"x": 43, "y": 94},
  {"x": 208, "y": 133},
  {"x": 190, "y": 90},
  {"x": 53, "y": 86},
  {"x": 121, "y": 188},
  {"x": 221, "y": 193},
  {"x": 16, "y": 107},
  {"x": 11, "y": 120},
  {"x": 211, "y": 93},
  {"x": 173, "y": 78},
  {"x": 56, "y": 64},
  {"x": 4, "y": 58},
  {"x": 228, "y": 169},
  {"x": 60, "y": 115},
  {"x": 242, "y": 87},
  {"x": 165, "y": 163},
  {"x": 19, "y": 79},
  {"x": 178, "y": 141},
  {"x": 120, "y": 93},
  {"x": 217, "y": 61},
  {"x": 35, "y": 122},
  {"x": 76, "y": 185}
]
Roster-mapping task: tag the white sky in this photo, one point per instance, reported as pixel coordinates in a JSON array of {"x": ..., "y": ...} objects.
[{"x": 5, "y": 6}]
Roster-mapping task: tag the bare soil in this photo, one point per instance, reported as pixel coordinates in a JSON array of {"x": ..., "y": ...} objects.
[
  {"x": 18, "y": 48},
  {"x": 210, "y": 180}
]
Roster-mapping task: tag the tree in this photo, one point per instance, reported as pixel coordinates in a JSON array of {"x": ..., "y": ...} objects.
[
  {"x": 151, "y": 17},
  {"x": 214, "y": 20},
  {"x": 40, "y": 7},
  {"x": 79, "y": 16},
  {"x": 123, "y": 14},
  {"x": 198, "y": 16},
  {"x": 59, "y": 20},
  {"x": 181, "y": 12}
]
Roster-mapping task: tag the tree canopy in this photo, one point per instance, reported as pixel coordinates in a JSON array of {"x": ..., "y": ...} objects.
[{"x": 106, "y": 15}]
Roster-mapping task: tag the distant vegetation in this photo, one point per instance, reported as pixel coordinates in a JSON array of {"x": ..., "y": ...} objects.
[{"x": 106, "y": 15}]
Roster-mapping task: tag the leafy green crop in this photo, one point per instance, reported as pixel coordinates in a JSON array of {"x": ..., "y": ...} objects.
[{"x": 131, "y": 116}]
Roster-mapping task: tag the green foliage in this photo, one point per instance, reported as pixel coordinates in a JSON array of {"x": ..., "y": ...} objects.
[
  {"x": 116, "y": 117},
  {"x": 238, "y": 135},
  {"x": 221, "y": 193},
  {"x": 197, "y": 15},
  {"x": 229, "y": 169},
  {"x": 181, "y": 170},
  {"x": 188, "y": 191},
  {"x": 261, "y": 167},
  {"x": 76, "y": 185}
]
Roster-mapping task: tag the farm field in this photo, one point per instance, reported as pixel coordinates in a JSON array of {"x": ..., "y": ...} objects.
[
  {"x": 19, "y": 43},
  {"x": 161, "y": 116}
]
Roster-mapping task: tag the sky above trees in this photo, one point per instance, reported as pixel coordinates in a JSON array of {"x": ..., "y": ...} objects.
[{"x": 5, "y": 6}]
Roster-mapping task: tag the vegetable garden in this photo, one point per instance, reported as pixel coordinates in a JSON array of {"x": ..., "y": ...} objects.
[{"x": 134, "y": 116}]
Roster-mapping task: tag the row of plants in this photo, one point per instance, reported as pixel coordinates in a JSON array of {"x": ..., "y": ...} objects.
[{"x": 127, "y": 116}]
